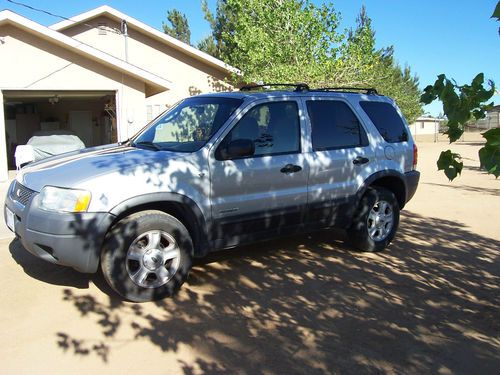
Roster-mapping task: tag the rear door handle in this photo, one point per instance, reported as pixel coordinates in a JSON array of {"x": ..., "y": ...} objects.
[
  {"x": 291, "y": 168},
  {"x": 360, "y": 160}
]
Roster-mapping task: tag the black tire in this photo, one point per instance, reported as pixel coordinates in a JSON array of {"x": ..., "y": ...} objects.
[
  {"x": 362, "y": 224},
  {"x": 133, "y": 237}
]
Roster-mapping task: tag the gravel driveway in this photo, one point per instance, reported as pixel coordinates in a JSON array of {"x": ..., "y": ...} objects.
[{"x": 306, "y": 304}]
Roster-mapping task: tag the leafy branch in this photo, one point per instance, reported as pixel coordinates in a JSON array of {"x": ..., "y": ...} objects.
[{"x": 460, "y": 105}]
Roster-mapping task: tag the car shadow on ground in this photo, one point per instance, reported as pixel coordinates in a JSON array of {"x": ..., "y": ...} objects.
[
  {"x": 306, "y": 304},
  {"x": 44, "y": 271}
]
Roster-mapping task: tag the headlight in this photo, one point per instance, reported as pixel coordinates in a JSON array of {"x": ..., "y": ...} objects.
[{"x": 64, "y": 200}]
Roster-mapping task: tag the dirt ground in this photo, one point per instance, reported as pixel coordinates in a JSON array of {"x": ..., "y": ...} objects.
[{"x": 304, "y": 305}]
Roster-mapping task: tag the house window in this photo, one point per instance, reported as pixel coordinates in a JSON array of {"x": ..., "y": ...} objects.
[
  {"x": 422, "y": 125},
  {"x": 149, "y": 113},
  {"x": 101, "y": 29}
]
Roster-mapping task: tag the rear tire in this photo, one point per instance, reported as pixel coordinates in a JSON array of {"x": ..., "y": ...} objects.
[
  {"x": 375, "y": 221},
  {"x": 147, "y": 256}
]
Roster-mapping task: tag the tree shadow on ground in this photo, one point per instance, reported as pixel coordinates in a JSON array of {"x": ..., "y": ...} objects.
[
  {"x": 468, "y": 188},
  {"x": 306, "y": 304}
]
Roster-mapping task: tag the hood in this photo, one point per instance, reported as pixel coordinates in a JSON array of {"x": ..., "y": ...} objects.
[{"x": 73, "y": 169}]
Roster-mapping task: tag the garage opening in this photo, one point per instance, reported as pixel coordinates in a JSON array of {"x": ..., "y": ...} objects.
[{"x": 90, "y": 115}]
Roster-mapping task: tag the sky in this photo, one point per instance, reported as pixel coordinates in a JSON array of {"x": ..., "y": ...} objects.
[{"x": 455, "y": 37}]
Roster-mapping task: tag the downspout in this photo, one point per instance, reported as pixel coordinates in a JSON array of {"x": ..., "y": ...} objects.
[
  {"x": 123, "y": 124},
  {"x": 124, "y": 30}
]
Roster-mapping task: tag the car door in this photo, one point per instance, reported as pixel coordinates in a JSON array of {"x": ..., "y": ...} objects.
[
  {"x": 339, "y": 161},
  {"x": 265, "y": 193}
]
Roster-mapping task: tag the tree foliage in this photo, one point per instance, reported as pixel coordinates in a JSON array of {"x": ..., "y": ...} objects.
[
  {"x": 496, "y": 14},
  {"x": 222, "y": 23},
  {"x": 451, "y": 163},
  {"x": 361, "y": 61},
  {"x": 179, "y": 26},
  {"x": 298, "y": 41},
  {"x": 460, "y": 104}
]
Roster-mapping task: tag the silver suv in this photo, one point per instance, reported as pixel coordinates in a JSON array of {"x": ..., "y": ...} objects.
[{"x": 214, "y": 172}]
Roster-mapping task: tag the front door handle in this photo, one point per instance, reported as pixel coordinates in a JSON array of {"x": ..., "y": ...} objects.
[
  {"x": 360, "y": 160},
  {"x": 290, "y": 168}
]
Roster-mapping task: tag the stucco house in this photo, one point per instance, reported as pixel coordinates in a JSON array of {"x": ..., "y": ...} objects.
[
  {"x": 425, "y": 125},
  {"x": 102, "y": 74}
]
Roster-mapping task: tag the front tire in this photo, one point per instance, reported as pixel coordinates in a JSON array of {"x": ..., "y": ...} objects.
[
  {"x": 147, "y": 256},
  {"x": 376, "y": 220}
]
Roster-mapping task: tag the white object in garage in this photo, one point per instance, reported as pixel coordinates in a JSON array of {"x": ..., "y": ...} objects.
[
  {"x": 24, "y": 154},
  {"x": 45, "y": 144}
]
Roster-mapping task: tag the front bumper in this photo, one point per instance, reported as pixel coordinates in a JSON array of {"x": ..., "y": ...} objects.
[{"x": 68, "y": 239}]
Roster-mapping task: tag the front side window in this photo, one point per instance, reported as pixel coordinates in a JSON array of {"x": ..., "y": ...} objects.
[
  {"x": 334, "y": 125},
  {"x": 187, "y": 126},
  {"x": 273, "y": 127}
]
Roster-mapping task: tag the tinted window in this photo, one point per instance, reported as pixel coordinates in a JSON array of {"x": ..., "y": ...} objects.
[
  {"x": 387, "y": 120},
  {"x": 273, "y": 127},
  {"x": 334, "y": 125}
]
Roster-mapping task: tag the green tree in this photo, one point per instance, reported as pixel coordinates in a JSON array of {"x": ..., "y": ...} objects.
[
  {"x": 361, "y": 64},
  {"x": 222, "y": 23},
  {"x": 298, "y": 41},
  {"x": 208, "y": 45},
  {"x": 179, "y": 26}
]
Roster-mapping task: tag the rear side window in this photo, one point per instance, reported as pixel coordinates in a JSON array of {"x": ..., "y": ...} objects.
[
  {"x": 334, "y": 125},
  {"x": 387, "y": 120}
]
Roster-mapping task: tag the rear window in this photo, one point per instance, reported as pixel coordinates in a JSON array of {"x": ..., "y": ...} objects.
[{"x": 387, "y": 120}]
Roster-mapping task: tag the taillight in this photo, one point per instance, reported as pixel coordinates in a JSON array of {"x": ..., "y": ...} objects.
[{"x": 415, "y": 156}]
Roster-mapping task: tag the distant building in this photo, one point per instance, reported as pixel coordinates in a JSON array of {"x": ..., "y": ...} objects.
[
  {"x": 492, "y": 120},
  {"x": 426, "y": 125}
]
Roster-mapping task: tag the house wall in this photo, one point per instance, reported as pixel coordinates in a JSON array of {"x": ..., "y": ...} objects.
[
  {"x": 421, "y": 127},
  {"x": 4, "y": 171},
  {"x": 189, "y": 75},
  {"x": 491, "y": 120},
  {"x": 29, "y": 62},
  {"x": 56, "y": 68}
]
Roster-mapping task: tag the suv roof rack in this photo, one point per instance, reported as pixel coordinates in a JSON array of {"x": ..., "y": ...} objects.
[
  {"x": 368, "y": 90},
  {"x": 299, "y": 87}
]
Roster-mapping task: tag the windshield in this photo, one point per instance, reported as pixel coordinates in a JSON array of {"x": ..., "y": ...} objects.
[{"x": 187, "y": 126}]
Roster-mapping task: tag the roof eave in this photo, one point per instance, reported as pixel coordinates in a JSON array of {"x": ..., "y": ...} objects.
[
  {"x": 114, "y": 13},
  {"x": 156, "y": 84}
]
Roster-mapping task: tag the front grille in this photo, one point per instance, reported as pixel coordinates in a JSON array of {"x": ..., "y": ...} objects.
[{"x": 21, "y": 193}]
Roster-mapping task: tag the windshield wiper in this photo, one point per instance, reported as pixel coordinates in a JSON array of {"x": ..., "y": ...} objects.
[{"x": 147, "y": 144}]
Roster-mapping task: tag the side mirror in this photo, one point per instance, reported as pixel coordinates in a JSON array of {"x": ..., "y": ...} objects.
[{"x": 239, "y": 148}]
